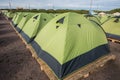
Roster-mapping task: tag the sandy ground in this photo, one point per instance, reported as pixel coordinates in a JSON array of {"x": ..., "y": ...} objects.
[{"x": 16, "y": 62}]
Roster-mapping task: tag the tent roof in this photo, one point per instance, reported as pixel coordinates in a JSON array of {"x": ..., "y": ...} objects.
[
  {"x": 112, "y": 26},
  {"x": 25, "y": 18},
  {"x": 36, "y": 23},
  {"x": 18, "y": 18}
]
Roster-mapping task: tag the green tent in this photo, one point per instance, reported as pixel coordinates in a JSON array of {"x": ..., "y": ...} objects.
[
  {"x": 34, "y": 25},
  {"x": 23, "y": 21},
  {"x": 7, "y": 14},
  {"x": 14, "y": 17},
  {"x": 10, "y": 14},
  {"x": 4, "y": 11},
  {"x": 99, "y": 19},
  {"x": 112, "y": 28},
  {"x": 56, "y": 14},
  {"x": 18, "y": 18},
  {"x": 94, "y": 18},
  {"x": 104, "y": 18},
  {"x": 69, "y": 42}
]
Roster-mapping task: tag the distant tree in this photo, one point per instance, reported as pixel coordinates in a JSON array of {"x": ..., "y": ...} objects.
[{"x": 114, "y": 10}]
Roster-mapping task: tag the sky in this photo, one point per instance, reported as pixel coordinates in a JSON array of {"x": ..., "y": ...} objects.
[{"x": 62, "y": 4}]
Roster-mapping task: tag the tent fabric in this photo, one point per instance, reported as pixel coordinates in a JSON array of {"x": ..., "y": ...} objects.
[
  {"x": 112, "y": 28},
  {"x": 99, "y": 19},
  {"x": 95, "y": 19},
  {"x": 104, "y": 18},
  {"x": 18, "y": 18},
  {"x": 109, "y": 35},
  {"x": 10, "y": 14},
  {"x": 34, "y": 25},
  {"x": 70, "y": 41},
  {"x": 72, "y": 65},
  {"x": 13, "y": 19},
  {"x": 23, "y": 21}
]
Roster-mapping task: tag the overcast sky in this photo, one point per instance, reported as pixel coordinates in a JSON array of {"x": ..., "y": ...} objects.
[{"x": 62, "y": 4}]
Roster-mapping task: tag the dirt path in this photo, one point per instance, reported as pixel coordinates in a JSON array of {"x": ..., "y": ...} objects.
[
  {"x": 16, "y": 62},
  {"x": 111, "y": 71}
]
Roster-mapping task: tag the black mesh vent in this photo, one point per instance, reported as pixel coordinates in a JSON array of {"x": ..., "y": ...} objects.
[
  {"x": 60, "y": 20},
  {"x": 36, "y": 17},
  {"x": 79, "y": 25}
]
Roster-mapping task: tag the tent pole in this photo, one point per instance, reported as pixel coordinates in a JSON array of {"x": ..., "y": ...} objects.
[
  {"x": 91, "y": 4},
  {"x": 53, "y": 4},
  {"x": 10, "y": 4},
  {"x": 29, "y": 6}
]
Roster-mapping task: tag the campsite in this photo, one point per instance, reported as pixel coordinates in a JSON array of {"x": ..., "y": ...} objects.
[
  {"x": 18, "y": 29},
  {"x": 59, "y": 44}
]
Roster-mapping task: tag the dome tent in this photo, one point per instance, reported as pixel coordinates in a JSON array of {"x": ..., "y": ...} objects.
[
  {"x": 10, "y": 14},
  {"x": 100, "y": 19},
  {"x": 104, "y": 18},
  {"x": 112, "y": 28},
  {"x": 67, "y": 43},
  {"x": 34, "y": 25},
  {"x": 23, "y": 21},
  {"x": 14, "y": 17},
  {"x": 94, "y": 18},
  {"x": 18, "y": 18}
]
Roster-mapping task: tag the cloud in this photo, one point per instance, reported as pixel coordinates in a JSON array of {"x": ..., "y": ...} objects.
[{"x": 63, "y": 4}]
